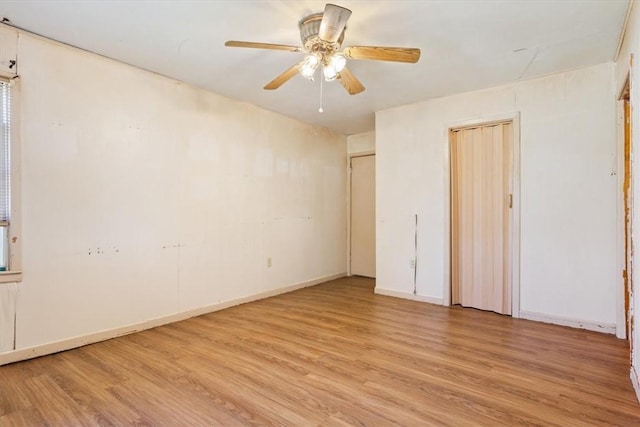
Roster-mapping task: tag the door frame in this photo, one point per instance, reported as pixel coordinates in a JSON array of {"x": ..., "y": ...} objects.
[
  {"x": 349, "y": 157},
  {"x": 621, "y": 314},
  {"x": 514, "y": 118}
]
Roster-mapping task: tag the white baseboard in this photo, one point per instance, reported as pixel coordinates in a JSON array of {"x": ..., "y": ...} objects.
[
  {"x": 621, "y": 331},
  {"x": 54, "y": 347},
  {"x": 607, "y": 328},
  {"x": 635, "y": 381},
  {"x": 405, "y": 295}
]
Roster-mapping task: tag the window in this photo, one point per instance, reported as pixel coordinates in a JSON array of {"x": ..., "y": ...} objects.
[{"x": 5, "y": 173}]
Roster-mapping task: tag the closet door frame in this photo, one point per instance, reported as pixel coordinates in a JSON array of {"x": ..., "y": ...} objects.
[{"x": 514, "y": 118}]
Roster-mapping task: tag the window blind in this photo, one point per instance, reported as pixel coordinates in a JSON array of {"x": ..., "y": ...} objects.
[{"x": 5, "y": 153}]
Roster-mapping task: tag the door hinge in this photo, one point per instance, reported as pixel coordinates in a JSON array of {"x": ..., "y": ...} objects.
[{"x": 510, "y": 200}]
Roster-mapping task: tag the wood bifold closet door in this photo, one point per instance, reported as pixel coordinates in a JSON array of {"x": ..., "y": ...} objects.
[{"x": 481, "y": 159}]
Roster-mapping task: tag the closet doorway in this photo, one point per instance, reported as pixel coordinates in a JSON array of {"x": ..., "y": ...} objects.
[{"x": 363, "y": 216}]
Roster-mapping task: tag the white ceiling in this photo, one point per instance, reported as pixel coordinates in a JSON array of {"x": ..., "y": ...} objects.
[{"x": 466, "y": 45}]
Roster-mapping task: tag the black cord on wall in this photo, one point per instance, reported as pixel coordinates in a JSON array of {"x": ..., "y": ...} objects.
[{"x": 415, "y": 256}]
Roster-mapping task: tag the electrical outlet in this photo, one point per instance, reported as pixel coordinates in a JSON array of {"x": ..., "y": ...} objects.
[
  {"x": 269, "y": 262},
  {"x": 412, "y": 263}
]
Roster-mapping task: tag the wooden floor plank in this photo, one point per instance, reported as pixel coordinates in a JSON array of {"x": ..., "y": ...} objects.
[{"x": 333, "y": 354}]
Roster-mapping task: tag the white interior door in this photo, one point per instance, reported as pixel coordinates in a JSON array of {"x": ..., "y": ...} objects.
[
  {"x": 481, "y": 197},
  {"x": 363, "y": 216}
]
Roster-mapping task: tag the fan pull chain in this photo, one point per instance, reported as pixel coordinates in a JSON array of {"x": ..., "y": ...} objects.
[{"x": 320, "y": 110}]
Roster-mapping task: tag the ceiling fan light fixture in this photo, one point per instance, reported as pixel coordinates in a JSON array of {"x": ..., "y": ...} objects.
[
  {"x": 309, "y": 66},
  {"x": 322, "y": 35},
  {"x": 329, "y": 72},
  {"x": 338, "y": 62},
  {"x": 333, "y": 66}
]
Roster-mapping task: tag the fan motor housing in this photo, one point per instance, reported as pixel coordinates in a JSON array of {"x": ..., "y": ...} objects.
[{"x": 309, "y": 29}]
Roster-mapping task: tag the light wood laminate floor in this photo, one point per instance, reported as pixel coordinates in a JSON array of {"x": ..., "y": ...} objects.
[{"x": 333, "y": 354}]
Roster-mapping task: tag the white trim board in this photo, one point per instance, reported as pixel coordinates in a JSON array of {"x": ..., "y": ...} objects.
[
  {"x": 406, "y": 295},
  {"x": 621, "y": 330},
  {"x": 607, "y": 328},
  {"x": 635, "y": 382},
  {"x": 54, "y": 347}
]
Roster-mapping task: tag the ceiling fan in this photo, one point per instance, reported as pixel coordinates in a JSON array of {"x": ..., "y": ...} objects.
[{"x": 322, "y": 35}]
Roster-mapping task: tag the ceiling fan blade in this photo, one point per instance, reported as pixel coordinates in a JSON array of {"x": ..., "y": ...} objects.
[
  {"x": 350, "y": 82},
  {"x": 283, "y": 78},
  {"x": 379, "y": 53},
  {"x": 271, "y": 46},
  {"x": 334, "y": 19}
]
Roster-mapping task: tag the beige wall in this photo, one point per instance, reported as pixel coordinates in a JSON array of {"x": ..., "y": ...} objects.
[
  {"x": 568, "y": 264},
  {"x": 361, "y": 143},
  {"x": 143, "y": 197}
]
